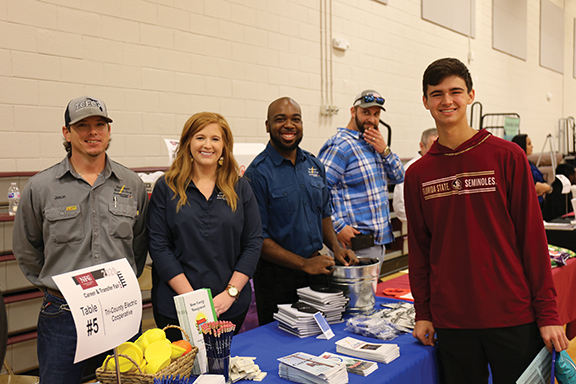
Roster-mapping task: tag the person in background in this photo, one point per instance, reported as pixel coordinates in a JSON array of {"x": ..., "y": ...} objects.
[
  {"x": 557, "y": 203},
  {"x": 204, "y": 225},
  {"x": 540, "y": 185},
  {"x": 290, "y": 187},
  {"x": 479, "y": 263},
  {"x": 84, "y": 211},
  {"x": 428, "y": 138},
  {"x": 359, "y": 163}
]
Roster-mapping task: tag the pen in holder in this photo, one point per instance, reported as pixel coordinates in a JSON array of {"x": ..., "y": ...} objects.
[{"x": 218, "y": 339}]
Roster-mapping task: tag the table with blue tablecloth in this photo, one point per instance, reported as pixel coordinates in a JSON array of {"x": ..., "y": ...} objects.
[{"x": 416, "y": 363}]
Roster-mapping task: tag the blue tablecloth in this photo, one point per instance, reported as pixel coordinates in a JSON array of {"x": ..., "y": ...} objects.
[{"x": 416, "y": 363}]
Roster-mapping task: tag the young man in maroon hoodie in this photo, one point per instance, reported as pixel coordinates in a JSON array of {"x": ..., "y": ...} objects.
[{"x": 479, "y": 264}]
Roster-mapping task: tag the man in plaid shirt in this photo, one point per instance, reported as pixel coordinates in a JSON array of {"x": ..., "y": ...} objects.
[{"x": 358, "y": 165}]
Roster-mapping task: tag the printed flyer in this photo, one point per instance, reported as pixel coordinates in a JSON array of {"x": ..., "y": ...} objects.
[{"x": 106, "y": 304}]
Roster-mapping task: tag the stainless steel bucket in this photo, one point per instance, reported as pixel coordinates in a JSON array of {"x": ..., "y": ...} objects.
[{"x": 358, "y": 283}]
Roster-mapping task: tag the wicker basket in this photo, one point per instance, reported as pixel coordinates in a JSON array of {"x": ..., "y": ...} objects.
[{"x": 181, "y": 366}]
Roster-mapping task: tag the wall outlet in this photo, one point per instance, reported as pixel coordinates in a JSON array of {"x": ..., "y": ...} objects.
[{"x": 340, "y": 44}]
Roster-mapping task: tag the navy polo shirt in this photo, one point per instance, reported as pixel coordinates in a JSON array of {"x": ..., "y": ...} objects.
[
  {"x": 292, "y": 199},
  {"x": 205, "y": 240}
]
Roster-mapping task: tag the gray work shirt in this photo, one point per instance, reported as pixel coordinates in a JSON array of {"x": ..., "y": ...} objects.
[{"x": 64, "y": 223}]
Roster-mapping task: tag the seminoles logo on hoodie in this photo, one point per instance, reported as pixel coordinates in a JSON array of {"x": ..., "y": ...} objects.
[{"x": 460, "y": 184}]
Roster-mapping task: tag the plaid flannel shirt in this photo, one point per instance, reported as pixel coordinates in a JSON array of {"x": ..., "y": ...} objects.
[{"x": 357, "y": 178}]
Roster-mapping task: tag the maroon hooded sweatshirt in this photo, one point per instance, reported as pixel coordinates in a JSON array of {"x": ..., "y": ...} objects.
[{"x": 478, "y": 250}]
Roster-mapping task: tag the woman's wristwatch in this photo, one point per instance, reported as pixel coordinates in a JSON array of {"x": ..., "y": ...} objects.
[{"x": 232, "y": 291}]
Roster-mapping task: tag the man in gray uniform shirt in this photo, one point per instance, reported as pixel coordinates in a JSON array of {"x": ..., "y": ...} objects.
[{"x": 85, "y": 210}]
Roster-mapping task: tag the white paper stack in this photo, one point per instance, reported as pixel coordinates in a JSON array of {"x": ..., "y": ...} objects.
[
  {"x": 332, "y": 305},
  {"x": 301, "y": 367},
  {"x": 298, "y": 323},
  {"x": 353, "y": 365},
  {"x": 383, "y": 353}
]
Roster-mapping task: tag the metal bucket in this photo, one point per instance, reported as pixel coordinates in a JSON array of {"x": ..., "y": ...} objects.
[{"x": 358, "y": 283}]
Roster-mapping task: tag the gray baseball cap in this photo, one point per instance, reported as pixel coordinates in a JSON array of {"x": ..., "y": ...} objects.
[
  {"x": 369, "y": 98},
  {"x": 83, "y": 107}
]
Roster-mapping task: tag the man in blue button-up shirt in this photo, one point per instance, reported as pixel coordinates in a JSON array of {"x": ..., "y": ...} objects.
[
  {"x": 290, "y": 187},
  {"x": 358, "y": 162}
]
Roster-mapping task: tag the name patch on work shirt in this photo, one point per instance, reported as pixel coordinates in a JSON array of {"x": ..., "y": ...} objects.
[{"x": 460, "y": 184}]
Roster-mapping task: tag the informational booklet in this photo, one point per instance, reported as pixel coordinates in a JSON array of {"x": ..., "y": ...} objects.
[
  {"x": 302, "y": 367},
  {"x": 194, "y": 309},
  {"x": 353, "y": 365},
  {"x": 383, "y": 353}
]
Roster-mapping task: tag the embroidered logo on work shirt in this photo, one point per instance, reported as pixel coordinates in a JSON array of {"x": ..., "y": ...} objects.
[
  {"x": 312, "y": 171},
  {"x": 123, "y": 191},
  {"x": 460, "y": 184},
  {"x": 220, "y": 196}
]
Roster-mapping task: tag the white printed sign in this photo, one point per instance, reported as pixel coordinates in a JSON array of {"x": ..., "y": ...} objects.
[
  {"x": 327, "y": 332},
  {"x": 106, "y": 304}
]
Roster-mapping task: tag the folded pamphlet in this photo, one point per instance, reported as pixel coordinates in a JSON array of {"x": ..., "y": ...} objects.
[{"x": 383, "y": 353}]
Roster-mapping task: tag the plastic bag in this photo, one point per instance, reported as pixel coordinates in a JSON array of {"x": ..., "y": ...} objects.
[{"x": 565, "y": 369}]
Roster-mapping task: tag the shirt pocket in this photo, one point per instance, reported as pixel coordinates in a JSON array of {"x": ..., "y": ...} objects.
[
  {"x": 284, "y": 200},
  {"x": 317, "y": 184},
  {"x": 65, "y": 224},
  {"x": 122, "y": 219}
]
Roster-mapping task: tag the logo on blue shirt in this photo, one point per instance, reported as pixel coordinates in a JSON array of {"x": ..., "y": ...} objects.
[{"x": 312, "y": 171}]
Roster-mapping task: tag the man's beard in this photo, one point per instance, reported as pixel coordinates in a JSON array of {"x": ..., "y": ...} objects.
[
  {"x": 280, "y": 145},
  {"x": 360, "y": 126}
]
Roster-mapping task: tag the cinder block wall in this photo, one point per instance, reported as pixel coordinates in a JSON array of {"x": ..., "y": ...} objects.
[{"x": 156, "y": 62}]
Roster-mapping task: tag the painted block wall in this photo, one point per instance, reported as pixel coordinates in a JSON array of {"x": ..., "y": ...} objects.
[{"x": 156, "y": 62}]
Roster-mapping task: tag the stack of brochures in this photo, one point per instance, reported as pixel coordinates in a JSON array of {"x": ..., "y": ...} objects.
[
  {"x": 353, "y": 365},
  {"x": 297, "y": 322},
  {"x": 331, "y": 304},
  {"x": 383, "y": 353},
  {"x": 301, "y": 367}
]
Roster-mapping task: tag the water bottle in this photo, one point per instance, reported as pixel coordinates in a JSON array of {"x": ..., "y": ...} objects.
[{"x": 13, "y": 199}]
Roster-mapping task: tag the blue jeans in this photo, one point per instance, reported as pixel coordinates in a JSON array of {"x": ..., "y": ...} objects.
[{"x": 57, "y": 343}]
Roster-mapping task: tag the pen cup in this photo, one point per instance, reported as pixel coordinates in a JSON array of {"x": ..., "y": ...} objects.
[{"x": 220, "y": 366}]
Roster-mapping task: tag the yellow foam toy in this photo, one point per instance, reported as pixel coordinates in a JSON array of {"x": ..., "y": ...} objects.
[
  {"x": 151, "y": 336},
  {"x": 154, "y": 366},
  {"x": 177, "y": 351},
  {"x": 125, "y": 364},
  {"x": 158, "y": 355}
]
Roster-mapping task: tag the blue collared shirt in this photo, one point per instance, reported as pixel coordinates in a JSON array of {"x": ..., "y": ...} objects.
[
  {"x": 292, "y": 198},
  {"x": 356, "y": 176}
]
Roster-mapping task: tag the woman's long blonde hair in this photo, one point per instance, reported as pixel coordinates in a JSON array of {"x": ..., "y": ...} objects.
[{"x": 180, "y": 174}]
